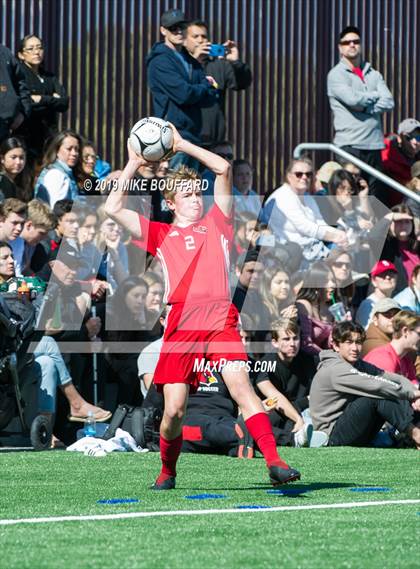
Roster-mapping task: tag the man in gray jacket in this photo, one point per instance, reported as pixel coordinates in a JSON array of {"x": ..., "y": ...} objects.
[
  {"x": 358, "y": 97},
  {"x": 350, "y": 399}
]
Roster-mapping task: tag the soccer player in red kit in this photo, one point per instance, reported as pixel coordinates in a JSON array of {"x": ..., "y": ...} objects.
[{"x": 201, "y": 321}]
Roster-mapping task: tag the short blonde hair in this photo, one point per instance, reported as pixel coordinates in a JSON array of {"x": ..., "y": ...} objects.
[
  {"x": 404, "y": 319},
  {"x": 174, "y": 179},
  {"x": 40, "y": 214}
]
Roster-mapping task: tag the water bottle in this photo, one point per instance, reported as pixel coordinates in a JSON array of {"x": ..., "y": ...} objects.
[{"x": 90, "y": 425}]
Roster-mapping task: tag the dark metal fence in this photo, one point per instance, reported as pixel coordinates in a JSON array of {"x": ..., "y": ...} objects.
[{"x": 98, "y": 48}]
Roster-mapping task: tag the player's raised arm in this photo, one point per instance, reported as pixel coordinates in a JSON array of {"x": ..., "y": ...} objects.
[
  {"x": 215, "y": 163},
  {"x": 114, "y": 205}
]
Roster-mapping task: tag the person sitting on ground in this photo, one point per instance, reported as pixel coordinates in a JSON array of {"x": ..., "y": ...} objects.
[
  {"x": 351, "y": 399},
  {"x": 395, "y": 356},
  {"x": 383, "y": 278},
  {"x": 287, "y": 378},
  {"x": 379, "y": 331},
  {"x": 409, "y": 298}
]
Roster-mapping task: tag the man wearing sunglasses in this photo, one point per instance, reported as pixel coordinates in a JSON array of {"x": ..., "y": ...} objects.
[
  {"x": 358, "y": 97},
  {"x": 401, "y": 151},
  {"x": 177, "y": 81}
]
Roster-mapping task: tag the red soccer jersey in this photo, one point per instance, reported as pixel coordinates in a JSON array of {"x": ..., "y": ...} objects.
[{"x": 195, "y": 259}]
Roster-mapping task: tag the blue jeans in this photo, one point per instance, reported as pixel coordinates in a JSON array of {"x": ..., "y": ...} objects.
[{"x": 53, "y": 372}]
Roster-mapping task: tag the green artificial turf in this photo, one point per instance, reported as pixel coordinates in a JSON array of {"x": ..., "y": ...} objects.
[{"x": 62, "y": 483}]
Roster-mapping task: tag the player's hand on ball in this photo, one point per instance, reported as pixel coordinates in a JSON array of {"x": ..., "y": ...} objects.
[
  {"x": 177, "y": 138},
  {"x": 134, "y": 157}
]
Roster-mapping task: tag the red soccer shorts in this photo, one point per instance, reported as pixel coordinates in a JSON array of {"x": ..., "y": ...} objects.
[{"x": 185, "y": 346}]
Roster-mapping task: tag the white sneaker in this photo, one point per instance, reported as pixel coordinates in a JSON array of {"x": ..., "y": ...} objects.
[
  {"x": 303, "y": 436},
  {"x": 318, "y": 439}
]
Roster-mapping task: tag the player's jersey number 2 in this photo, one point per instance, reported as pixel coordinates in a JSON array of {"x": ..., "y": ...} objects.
[{"x": 189, "y": 242}]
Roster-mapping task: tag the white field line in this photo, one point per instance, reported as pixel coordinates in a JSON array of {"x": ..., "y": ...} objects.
[{"x": 130, "y": 515}]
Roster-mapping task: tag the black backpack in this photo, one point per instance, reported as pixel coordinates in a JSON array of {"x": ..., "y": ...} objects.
[{"x": 141, "y": 422}]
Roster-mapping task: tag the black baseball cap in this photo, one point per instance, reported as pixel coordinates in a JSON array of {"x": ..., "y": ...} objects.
[{"x": 172, "y": 17}]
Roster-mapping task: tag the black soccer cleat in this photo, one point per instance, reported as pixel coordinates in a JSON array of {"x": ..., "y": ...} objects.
[
  {"x": 168, "y": 484},
  {"x": 280, "y": 475}
]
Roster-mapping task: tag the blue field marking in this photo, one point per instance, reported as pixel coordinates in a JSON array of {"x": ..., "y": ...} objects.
[
  {"x": 113, "y": 501},
  {"x": 205, "y": 496},
  {"x": 371, "y": 489},
  {"x": 288, "y": 491},
  {"x": 253, "y": 507}
]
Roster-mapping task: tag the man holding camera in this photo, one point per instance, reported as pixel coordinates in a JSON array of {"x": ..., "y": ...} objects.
[{"x": 221, "y": 62}]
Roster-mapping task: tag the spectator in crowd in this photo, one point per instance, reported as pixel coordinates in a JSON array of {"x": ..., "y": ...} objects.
[
  {"x": 288, "y": 383},
  {"x": 409, "y": 298},
  {"x": 294, "y": 216},
  {"x": 113, "y": 266},
  {"x": 15, "y": 97},
  {"x": 351, "y": 399},
  {"x": 349, "y": 208},
  {"x": 340, "y": 262},
  {"x": 357, "y": 174},
  {"x": 12, "y": 217},
  {"x": 247, "y": 296},
  {"x": 358, "y": 97},
  {"x": 15, "y": 179},
  {"x": 277, "y": 295},
  {"x": 39, "y": 221},
  {"x": 127, "y": 328},
  {"x": 48, "y": 97},
  {"x": 383, "y": 278},
  {"x": 155, "y": 291},
  {"x": 7, "y": 263},
  {"x": 395, "y": 355},
  {"x": 414, "y": 186},
  {"x": 177, "y": 81},
  {"x": 379, "y": 331},
  {"x": 399, "y": 155},
  {"x": 229, "y": 72},
  {"x": 312, "y": 304},
  {"x": 323, "y": 177},
  {"x": 245, "y": 198},
  {"x": 60, "y": 169},
  {"x": 88, "y": 181},
  {"x": 402, "y": 246},
  {"x": 88, "y": 224}
]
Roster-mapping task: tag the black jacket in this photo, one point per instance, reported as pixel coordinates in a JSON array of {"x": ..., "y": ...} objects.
[
  {"x": 178, "y": 94},
  {"x": 234, "y": 75},
  {"x": 43, "y": 122},
  {"x": 14, "y": 94}
]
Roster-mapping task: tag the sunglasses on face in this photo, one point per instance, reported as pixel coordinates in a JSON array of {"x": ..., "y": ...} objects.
[
  {"x": 342, "y": 265},
  {"x": 415, "y": 137},
  {"x": 176, "y": 28},
  {"x": 349, "y": 42},
  {"x": 300, "y": 175},
  {"x": 389, "y": 313}
]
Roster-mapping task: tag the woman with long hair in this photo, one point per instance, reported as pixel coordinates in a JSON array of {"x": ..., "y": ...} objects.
[
  {"x": 48, "y": 96},
  {"x": 127, "y": 324},
  {"x": 15, "y": 178},
  {"x": 312, "y": 302},
  {"x": 60, "y": 169},
  {"x": 277, "y": 294}
]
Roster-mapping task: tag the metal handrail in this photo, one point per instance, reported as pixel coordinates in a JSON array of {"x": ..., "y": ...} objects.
[{"x": 362, "y": 165}]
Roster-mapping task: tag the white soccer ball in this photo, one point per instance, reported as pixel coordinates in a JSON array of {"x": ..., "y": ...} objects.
[{"x": 152, "y": 138}]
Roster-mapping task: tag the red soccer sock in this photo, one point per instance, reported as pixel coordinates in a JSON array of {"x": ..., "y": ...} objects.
[
  {"x": 261, "y": 431},
  {"x": 169, "y": 453}
]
